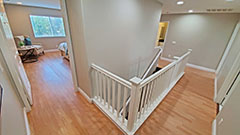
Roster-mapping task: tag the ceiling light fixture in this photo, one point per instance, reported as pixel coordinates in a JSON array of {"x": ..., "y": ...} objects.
[
  {"x": 19, "y": 3},
  {"x": 180, "y": 2},
  {"x": 190, "y": 11},
  {"x": 229, "y": 0}
]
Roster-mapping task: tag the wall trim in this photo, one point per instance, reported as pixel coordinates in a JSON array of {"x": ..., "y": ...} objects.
[
  {"x": 201, "y": 68},
  {"x": 192, "y": 65},
  {"x": 167, "y": 59},
  {"x": 51, "y": 50},
  {"x": 26, "y": 121},
  {"x": 85, "y": 95}
]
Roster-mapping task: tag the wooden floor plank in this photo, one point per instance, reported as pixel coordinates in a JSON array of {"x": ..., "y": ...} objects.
[{"x": 59, "y": 110}]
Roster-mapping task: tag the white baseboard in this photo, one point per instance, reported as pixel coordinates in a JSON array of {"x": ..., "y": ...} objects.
[
  {"x": 51, "y": 50},
  {"x": 201, "y": 68},
  {"x": 167, "y": 59},
  {"x": 85, "y": 95},
  {"x": 192, "y": 65},
  {"x": 26, "y": 122}
]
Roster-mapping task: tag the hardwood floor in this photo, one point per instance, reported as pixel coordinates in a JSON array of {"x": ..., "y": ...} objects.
[
  {"x": 59, "y": 110},
  {"x": 187, "y": 110}
]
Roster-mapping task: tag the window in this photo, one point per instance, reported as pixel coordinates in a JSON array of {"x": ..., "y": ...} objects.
[{"x": 47, "y": 26}]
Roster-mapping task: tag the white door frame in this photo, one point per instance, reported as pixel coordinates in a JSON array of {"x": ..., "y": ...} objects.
[
  {"x": 165, "y": 40},
  {"x": 15, "y": 77}
]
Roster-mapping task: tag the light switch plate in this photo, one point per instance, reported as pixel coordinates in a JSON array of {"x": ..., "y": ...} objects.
[{"x": 174, "y": 42}]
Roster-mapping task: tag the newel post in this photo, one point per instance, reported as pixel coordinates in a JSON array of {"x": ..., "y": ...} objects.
[{"x": 134, "y": 102}]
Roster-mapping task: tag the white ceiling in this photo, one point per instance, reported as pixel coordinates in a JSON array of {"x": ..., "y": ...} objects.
[
  {"x": 199, "y": 6},
  {"x": 169, "y": 6},
  {"x": 55, "y": 4}
]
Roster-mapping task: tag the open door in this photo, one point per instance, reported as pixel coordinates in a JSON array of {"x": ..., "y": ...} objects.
[
  {"x": 11, "y": 56},
  {"x": 228, "y": 66}
]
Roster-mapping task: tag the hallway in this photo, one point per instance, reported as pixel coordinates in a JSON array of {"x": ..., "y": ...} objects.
[{"x": 59, "y": 110}]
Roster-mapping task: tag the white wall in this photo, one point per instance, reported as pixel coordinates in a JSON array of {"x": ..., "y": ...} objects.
[
  {"x": 206, "y": 34},
  {"x": 75, "y": 17},
  {"x": 12, "y": 117},
  {"x": 228, "y": 120},
  {"x": 121, "y": 33},
  {"x": 117, "y": 35}
]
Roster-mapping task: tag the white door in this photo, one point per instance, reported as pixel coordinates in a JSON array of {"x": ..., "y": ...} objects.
[
  {"x": 227, "y": 69},
  {"x": 13, "y": 60}
]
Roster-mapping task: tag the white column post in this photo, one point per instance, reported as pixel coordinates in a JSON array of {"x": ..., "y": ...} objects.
[{"x": 134, "y": 102}]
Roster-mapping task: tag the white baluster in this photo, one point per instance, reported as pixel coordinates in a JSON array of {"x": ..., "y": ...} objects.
[
  {"x": 125, "y": 92},
  {"x": 113, "y": 95},
  {"x": 104, "y": 89},
  {"x": 142, "y": 101},
  {"x": 100, "y": 87},
  {"x": 119, "y": 99},
  {"x": 146, "y": 97},
  {"x": 108, "y": 91},
  {"x": 97, "y": 85}
]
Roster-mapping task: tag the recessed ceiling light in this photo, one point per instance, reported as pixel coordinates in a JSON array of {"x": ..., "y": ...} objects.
[
  {"x": 19, "y": 3},
  {"x": 229, "y": 0},
  {"x": 190, "y": 11},
  {"x": 180, "y": 2}
]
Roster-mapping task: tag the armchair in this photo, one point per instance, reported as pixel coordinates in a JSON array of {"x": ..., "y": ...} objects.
[{"x": 26, "y": 41}]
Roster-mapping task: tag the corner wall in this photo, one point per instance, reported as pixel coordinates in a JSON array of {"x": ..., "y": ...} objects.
[
  {"x": 117, "y": 35},
  {"x": 206, "y": 34}
]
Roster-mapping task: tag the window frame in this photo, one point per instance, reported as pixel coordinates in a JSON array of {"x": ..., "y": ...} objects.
[{"x": 53, "y": 36}]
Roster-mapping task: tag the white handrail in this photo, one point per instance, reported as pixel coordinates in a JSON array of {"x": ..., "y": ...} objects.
[
  {"x": 153, "y": 76},
  {"x": 111, "y": 75},
  {"x": 152, "y": 63}
]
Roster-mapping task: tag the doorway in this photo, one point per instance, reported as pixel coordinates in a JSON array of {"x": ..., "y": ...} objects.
[
  {"x": 60, "y": 54},
  {"x": 162, "y": 34}
]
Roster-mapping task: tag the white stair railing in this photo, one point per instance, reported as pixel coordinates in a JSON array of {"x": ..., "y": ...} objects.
[
  {"x": 153, "y": 65},
  {"x": 111, "y": 93},
  {"x": 149, "y": 71}
]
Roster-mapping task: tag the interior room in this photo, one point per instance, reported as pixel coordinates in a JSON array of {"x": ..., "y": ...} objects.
[
  {"x": 89, "y": 67},
  {"x": 41, "y": 28},
  {"x": 162, "y": 34}
]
